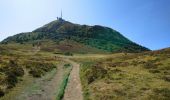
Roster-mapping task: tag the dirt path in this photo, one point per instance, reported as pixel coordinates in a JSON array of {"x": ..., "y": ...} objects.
[
  {"x": 44, "y": 88},
  {"x": 47, "y": 87},
  {"x": 73, "y": 90}
]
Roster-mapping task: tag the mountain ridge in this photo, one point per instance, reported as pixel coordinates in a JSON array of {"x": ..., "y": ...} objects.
[{"x": 96, "y": 36}]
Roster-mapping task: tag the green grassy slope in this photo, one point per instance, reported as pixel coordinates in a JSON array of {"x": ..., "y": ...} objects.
[
  {"x": 141, "y": 76},
  {"x": 99, "y": 37}
]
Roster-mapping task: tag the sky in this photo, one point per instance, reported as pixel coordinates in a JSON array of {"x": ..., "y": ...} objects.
[{"x": 146, "y": 22}]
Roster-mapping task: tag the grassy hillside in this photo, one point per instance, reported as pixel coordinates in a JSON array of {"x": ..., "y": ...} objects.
[
  {"x": 140, "y": 76},
  {"x": 17, "y": 60},
  {"x": 65, "y": 46},
  {"x": 99, "y": 37}
]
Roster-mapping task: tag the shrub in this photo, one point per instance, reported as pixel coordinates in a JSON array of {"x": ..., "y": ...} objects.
[
  {"x": 13, "y": 67},
  {"x": 97, "y": 71},
  {"x": 149, "y": 65},
  {"x": 116, "y": 70},
  {"x": 154, "y": 71},
  {"x": 36, "y": 73},
  {"x": 12, "y": 70},
  {"x": 165, "y": 92},
  {"x": 167, "y": 78},
  {"x": 38, "y": 69},
  {"x": 18, "y": 71},
  {"x": 11, "y": 80},
  {"x": 1, "y": 93},
  {"x": 68, "y": 54},
  {"x": 66, "y": 65}
]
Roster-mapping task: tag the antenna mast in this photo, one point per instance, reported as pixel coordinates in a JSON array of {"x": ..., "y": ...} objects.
[{"x": 61, "y": 14}]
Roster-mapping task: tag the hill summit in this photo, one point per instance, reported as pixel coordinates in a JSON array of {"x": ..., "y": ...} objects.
[{"x": 98, "y": 37}]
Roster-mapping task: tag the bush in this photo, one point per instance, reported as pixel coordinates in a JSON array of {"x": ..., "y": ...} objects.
[
  {"x": 13, "y": 67},
  {"x": 38, "y": 69},
  {"x": 167, "y": 78},
  {"x": 1, "y": 93},
  {"x": 163, "y": 92},
  {"x": 11, "y": 80},
  {"x": 18, "y": 71},
  {"x": 149, "y": 65},
  {"x": 68, "y": 54},
  {"x": 36, "y": 73},
  {"x": 66, "y": 65},
  {"x": 154, "y": 71},
  {"x": 97, "y": 71},
  {"x": 12, "y": 70}
]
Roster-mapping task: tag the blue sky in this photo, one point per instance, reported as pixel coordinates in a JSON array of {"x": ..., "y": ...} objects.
[{"x": 146, "y": 22}]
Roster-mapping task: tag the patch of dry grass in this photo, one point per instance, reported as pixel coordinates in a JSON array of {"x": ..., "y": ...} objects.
[
  {"x": 142, "y": 76},
  {"x": 14, "y": 58}
]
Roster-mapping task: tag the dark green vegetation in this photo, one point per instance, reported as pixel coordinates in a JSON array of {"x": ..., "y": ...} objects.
[
  {"x": 139, "y": 76},
  {"x": 18, "y": 60},
  {"x": 77, "y": 38}
]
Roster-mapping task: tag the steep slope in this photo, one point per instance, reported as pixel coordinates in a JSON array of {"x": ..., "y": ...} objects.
[{"x": 99, "y": 37}]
